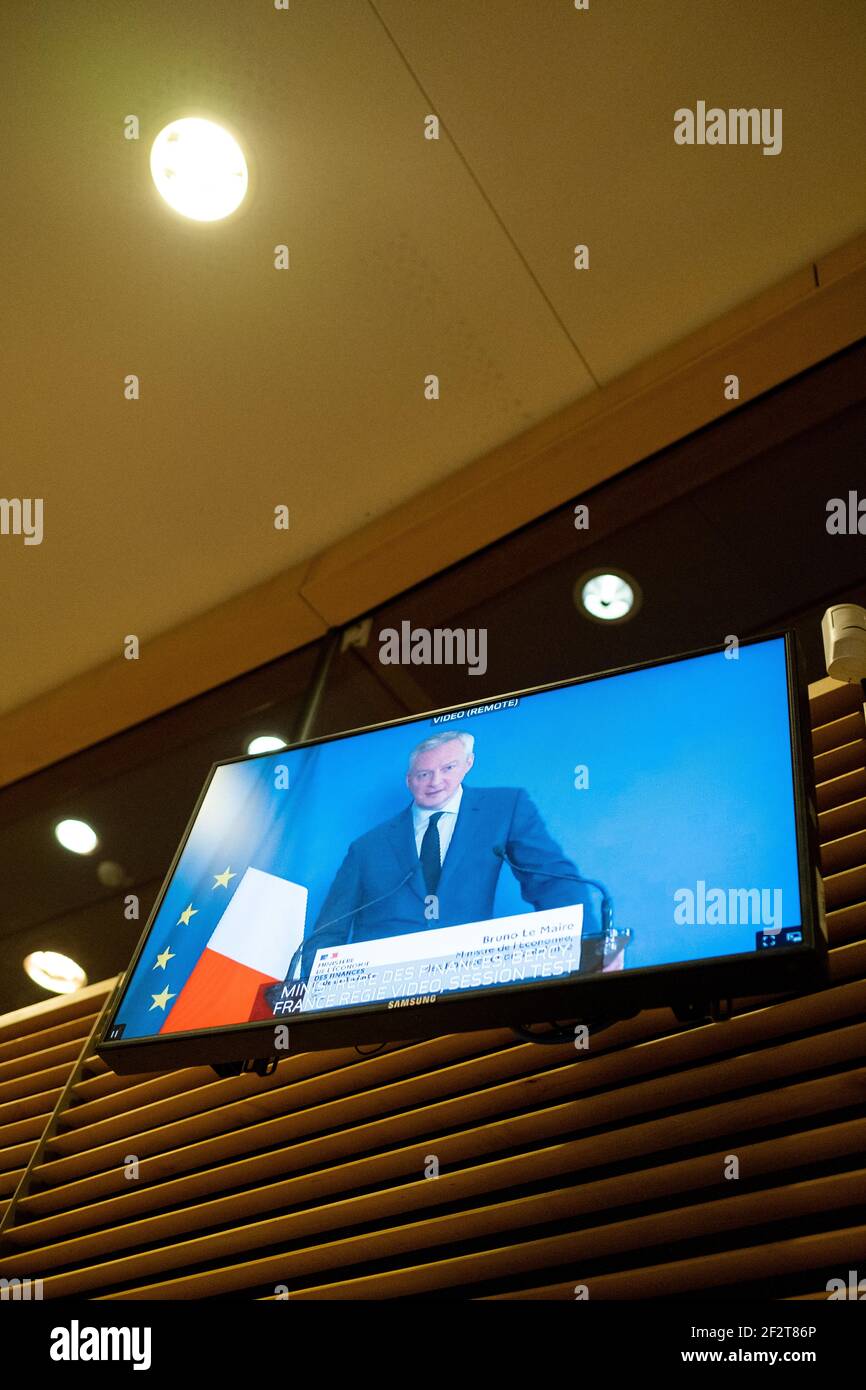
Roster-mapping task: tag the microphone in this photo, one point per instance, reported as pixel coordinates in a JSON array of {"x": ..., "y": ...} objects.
[
  {"x": 343, "y": 915},
  {"x": 606, "y": 899}
]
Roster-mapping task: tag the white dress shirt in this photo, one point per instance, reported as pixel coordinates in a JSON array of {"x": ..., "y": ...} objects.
[{"x": 445, "y": 825}]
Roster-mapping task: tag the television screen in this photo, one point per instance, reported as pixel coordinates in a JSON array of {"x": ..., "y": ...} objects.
[{"x": 626, "y": 827}]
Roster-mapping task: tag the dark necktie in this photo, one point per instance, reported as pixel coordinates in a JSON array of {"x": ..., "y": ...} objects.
[{"x": 431, "y": 853}]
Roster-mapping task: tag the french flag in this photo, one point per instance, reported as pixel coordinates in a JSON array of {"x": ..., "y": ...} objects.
[{"x": 252, "y": 945}]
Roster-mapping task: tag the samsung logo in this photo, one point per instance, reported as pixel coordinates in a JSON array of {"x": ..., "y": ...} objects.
[{"x": 417, "y": 999}]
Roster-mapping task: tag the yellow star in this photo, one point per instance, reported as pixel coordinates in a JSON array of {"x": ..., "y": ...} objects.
[
  {"x": 185, "y": 915},
  {"x": 163, "y": 959},
  {"x": 222, "y": 880},
  {"x": 160, "y": 1000}
]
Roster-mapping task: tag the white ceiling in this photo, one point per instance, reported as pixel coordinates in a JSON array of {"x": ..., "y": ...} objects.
[{"x": 305, "y": 387}]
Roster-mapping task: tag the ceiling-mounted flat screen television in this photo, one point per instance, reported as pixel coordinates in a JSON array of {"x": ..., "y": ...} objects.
[{"x": 638, "y": 838}]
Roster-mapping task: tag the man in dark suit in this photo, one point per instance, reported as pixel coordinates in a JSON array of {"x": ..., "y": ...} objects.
[{"x": 435, "y": 864}]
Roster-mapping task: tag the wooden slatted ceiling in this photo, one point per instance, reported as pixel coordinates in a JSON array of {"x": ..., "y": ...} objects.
[
  {"x": 840, "y": 791},
  {"x": 604, "y": 1071},
  {"x": 842, "y": 820},
  {"x": 554, "y": 1171},
  {"x": 31, "y": 1082},
  {"x": 38, "y": 1049}
]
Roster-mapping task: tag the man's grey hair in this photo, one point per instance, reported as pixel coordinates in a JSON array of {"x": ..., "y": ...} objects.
[{"x": 437, "y": 740}]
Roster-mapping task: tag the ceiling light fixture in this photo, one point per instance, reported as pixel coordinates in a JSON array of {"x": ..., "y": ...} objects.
[
  {"x": 265, "y": 743},
  {"x": 54, "y": 972},
  {"x": 607, "y": 596},
  {"x": 199, "y": 169},
  {"x": 77, "y": 836}
]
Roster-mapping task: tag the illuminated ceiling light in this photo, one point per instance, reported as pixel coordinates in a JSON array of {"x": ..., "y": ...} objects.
[
  {"x": 265, "y": 743},
  {"x": 607, "y": 596},
  {"x": 199, "y": 168},
  {"x": 76, "y": 835},
  {"x": 55, "y": 972}
]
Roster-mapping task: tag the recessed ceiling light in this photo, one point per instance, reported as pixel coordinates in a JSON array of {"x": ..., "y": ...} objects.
[
  {"x": 53, "y": 971},
  {"x": 199, "y": 168},
  {"x": 607, "y": 596},
  {"x": 265, "y": 743},
  {"x": 76, "y": 835}
]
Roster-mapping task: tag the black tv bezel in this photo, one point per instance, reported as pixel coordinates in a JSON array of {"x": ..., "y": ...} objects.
[{"x": 678, "y": 984}]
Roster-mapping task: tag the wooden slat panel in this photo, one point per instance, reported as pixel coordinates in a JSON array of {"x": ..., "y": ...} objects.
[
  {"x": 98, "y": 1098},
  {"x": 75, "y": 1030},
  {"x": 830, "y": 700},
  {"x": 9, "y": 1181},
  {"x": 763, "y": 1025},
  {"x": 53, "y": 1012},
  {"x": 90, "y": 1087},
  {"x": 847, "y": 962},
  {"x": 478, "y": 1180},
  {"x": 312, "y": 1082},
  {"x": 730, "y": 1267},
  {"x": 845, "y": 888},
  {"x": 849, "y": 787},
  {"x": 786, "y": 1059},
  {"x": 841, "y": 731},
  {"x": 797, "y": 1105},
  {"x": 770, "y": 1064},
  {"x": 851, "y": 757},
  {"x": 847, "y": 924},
  {"x": 849, "y": 851},
  {"x": 728, "y": 1215},
  {"x": 38, "y": 1084},
  {"x": 64, "y": 1053},
  {"x": 16, "y": 1156},
  {"x": 171, "y": 1098},
  {"x": 842, "y": 820},
  {"x": 223, "y": 1140},
  {"x": 94, "y": 1066},
  {"x": 24, "y": 1107},
  {"x": 22, "y": 1128}
]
